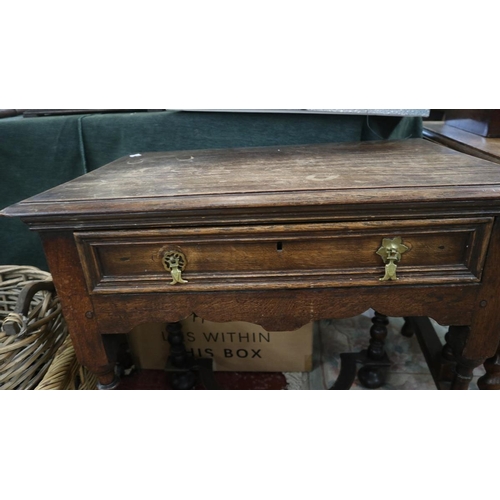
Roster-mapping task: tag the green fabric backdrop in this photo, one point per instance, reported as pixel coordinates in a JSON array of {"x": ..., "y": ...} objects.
[{"x": 39, "y": 153}]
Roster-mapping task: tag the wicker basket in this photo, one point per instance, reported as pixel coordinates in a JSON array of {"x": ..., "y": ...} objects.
[
  {"x": 35, "y": 349},
  {"x": 65, "y": 373}
]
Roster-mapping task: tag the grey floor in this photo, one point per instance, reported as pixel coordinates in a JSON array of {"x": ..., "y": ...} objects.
[{"x": 332, "y": 337}]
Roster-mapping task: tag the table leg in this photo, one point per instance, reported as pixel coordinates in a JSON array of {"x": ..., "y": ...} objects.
[
  {"x": 180, "y": 363},
  {"x": 77, "y": 307},
  {"x": 463, "y": 374},
  {"x": 407, "y": 330},
  {"x": 372, "y": 376},
  {"x": 486, "y": 320},
  {"x": 492, "y": 378},
  {"x": 102, "y": 386},
  {"x": 91, "y": 352},
  {"x": 456, "y": 341},
  {"x": 448, "y": 362}
]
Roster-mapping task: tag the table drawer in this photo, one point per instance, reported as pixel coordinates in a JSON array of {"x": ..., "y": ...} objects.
[{"x": 285, "y": 256}]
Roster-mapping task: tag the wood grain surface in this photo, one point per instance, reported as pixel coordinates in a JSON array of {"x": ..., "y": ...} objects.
[
  {"x": 293, "y": 256},
  {"x": 332, "y": 175},
  {"x": 286, "y": 310}
]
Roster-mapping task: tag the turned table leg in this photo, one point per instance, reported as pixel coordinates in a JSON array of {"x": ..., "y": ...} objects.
[
  {"x": 463, "y": 374},
  {"x": 492, "y": 378},
  {"x": 108, "y": 381},
  {"x": 407, "y": 330},
  {"x": 182, "y": 377},
  {"x": 373, "y": 375},
  {"x": 456, "y": 341},
  {"x": 448, "y": 362}
]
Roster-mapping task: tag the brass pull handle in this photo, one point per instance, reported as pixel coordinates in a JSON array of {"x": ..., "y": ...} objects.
[
  {"x": 175, "y": 262},
  {"x": 391, "y": 252}
]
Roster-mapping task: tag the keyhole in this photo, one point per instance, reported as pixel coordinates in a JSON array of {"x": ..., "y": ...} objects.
[{"x": 279, "y": 246}]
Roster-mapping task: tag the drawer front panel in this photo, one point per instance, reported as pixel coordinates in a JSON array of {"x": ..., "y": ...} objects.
[{"x": 293, "y": 256}]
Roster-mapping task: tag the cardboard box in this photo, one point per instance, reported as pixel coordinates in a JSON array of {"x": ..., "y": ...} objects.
[{"x": 234, "y": 346}]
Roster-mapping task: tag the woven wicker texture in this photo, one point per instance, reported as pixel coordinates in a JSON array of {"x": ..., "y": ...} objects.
[
  {"x": 40, "y": 328},
  {"x": 65, "y": 373}
]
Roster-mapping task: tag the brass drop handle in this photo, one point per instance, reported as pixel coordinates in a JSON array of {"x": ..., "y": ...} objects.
[
  {"x": 175, "y": 262},
  {"x": 391, "y": 252}
]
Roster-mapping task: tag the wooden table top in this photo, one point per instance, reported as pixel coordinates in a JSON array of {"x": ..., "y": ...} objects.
[
  {"x": 336, "y": 175},
  {"x": 466, "y": 142}
]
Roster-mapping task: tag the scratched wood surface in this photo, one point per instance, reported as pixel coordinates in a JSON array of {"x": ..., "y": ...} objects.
[{"x": 329, "y": 174}]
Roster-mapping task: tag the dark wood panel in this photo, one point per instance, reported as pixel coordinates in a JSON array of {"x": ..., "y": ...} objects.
[
  {"x": 285, "y": 310},
  {"x": 280, "y": 254},
  {"x": 288, "y": 256},
  {"x": 78, "y": 311}
]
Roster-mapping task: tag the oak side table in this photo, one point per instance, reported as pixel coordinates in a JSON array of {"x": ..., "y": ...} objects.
[{"x": 280, "y": 237}]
